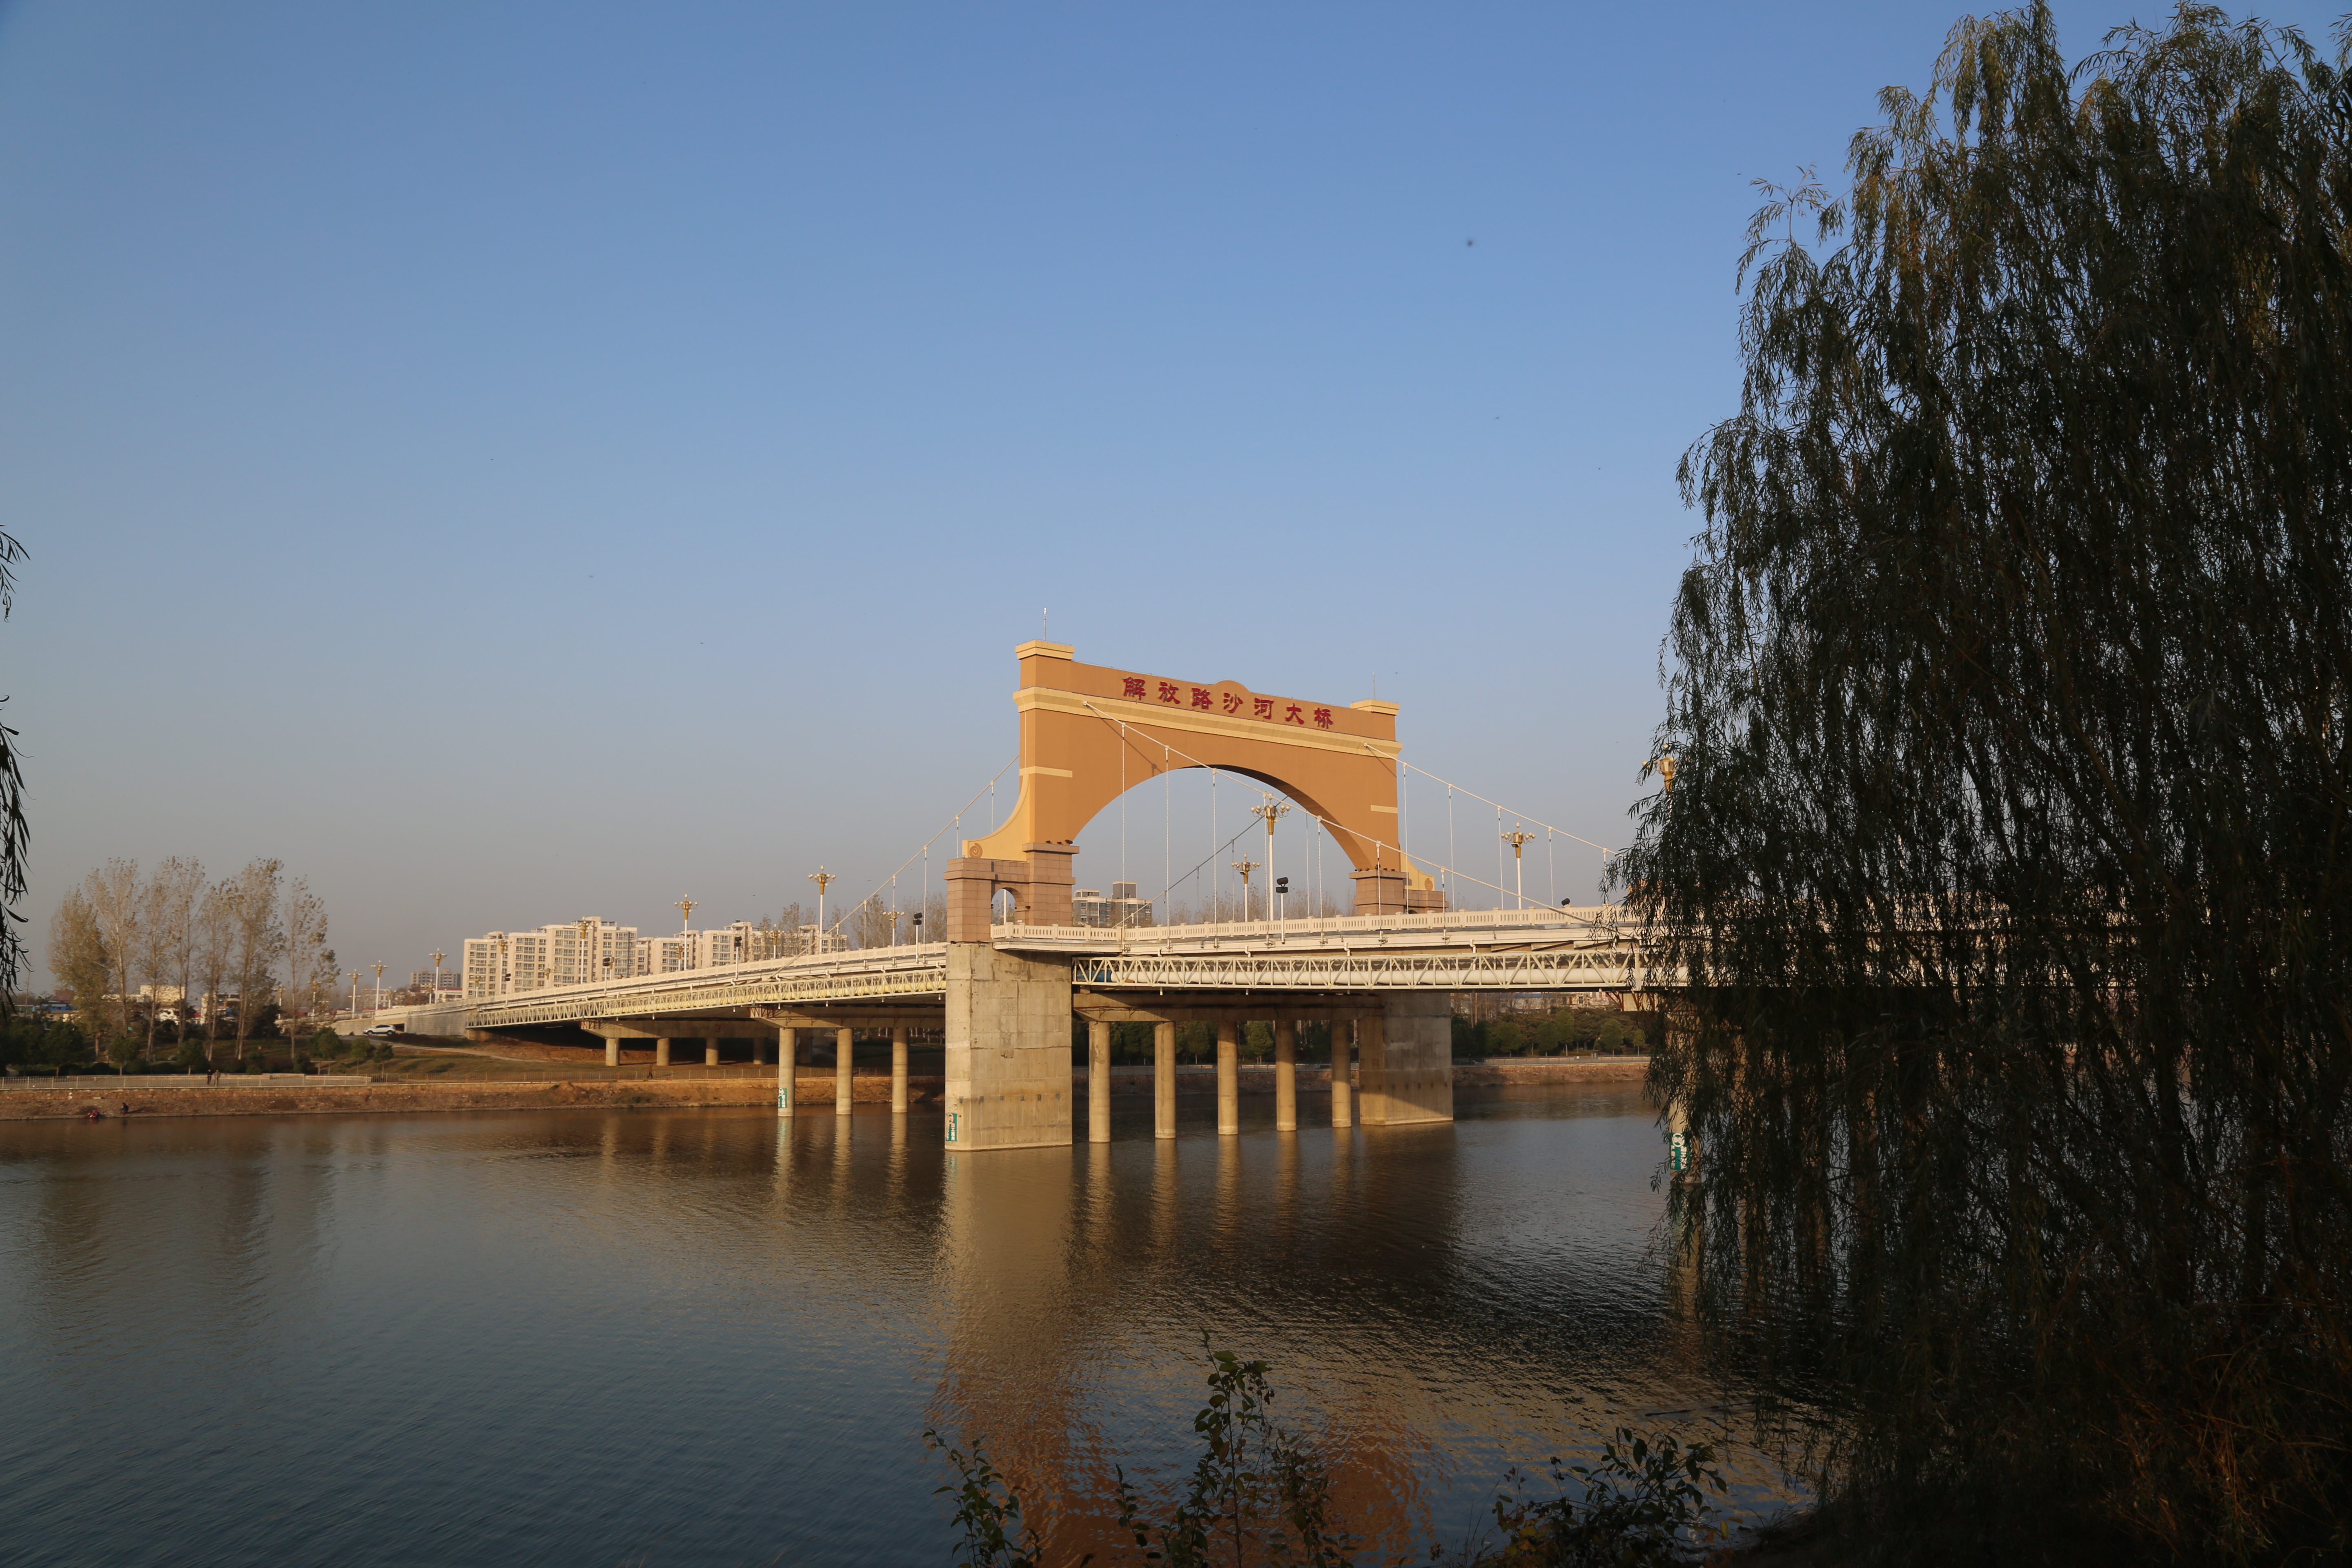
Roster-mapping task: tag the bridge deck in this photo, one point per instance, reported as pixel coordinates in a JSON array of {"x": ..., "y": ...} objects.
[{"x": 1594, "y": 948}]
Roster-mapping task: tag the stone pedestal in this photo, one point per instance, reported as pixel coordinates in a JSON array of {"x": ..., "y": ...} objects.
[
  {"x": 1408, "y": 1062},
  {"x": 1380, "y": 891},
  {"x": 1039, "y": 883},
  {"x": 1008, "y": 1049}
]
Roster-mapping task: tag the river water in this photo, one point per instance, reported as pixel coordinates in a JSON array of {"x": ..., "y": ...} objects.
[{"x": 708, "y": 1338}]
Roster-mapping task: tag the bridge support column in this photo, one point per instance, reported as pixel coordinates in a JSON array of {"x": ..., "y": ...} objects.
[
  {"x": 611, "y": 1050},
  {"x": 1343, "y": 1099},
  {"x": 1286, "y": 1076},
  {"x": 844, "y": 1064},
  {"x": 1098, "y": 1082},
  {"x": 710, "y": 1051},
  {"x": 898, "y": 1070},
  {"x": 787, "y": 1047},
  {"x": 1008, "y": 1049},
  {"x": 661, "y": 1052},
  {"x": 1228, "y": 1079},
  {"x": 1163, "y": 1080},
  {"x": 1409, "y": 1062}
]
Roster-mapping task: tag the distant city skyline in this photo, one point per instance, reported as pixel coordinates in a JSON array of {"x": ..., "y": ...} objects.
[{"x": 504, "y": 461}]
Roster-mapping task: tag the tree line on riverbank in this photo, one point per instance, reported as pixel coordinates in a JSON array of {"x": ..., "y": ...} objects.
[{"x": 166, "y": 956}]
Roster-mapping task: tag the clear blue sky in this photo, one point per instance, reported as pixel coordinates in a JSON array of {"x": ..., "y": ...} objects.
[{"x": 513, "y": 461}]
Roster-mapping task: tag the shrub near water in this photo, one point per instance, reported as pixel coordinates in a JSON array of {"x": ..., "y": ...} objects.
[
  {"x": 1260, "y": 1493},
  {"x": 2010, "y": 850}
]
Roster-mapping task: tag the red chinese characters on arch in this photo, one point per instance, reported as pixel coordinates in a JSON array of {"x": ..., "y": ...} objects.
[{"x": 1207, "y": 700}]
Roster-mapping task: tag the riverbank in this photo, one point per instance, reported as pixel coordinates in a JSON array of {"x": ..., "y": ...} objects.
[{"x": 680, "y": 1088}]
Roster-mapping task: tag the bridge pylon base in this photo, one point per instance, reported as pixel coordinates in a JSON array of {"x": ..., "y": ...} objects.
[{"x": 1008, "y": 1049}]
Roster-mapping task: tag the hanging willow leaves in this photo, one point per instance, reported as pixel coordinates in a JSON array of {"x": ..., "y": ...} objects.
[{"x": 2008, "y": 852}]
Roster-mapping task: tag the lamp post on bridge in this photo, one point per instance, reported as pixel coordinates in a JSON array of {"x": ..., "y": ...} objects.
[
  {"x": 1518, "y": 838},
  {"x": 684, "y": 931},
  {"x": 1245, "y": 866},
  {"x": 433, "y": 992},
  {"x": 379, "y": 985},
  {"x": 1270, "y": 811},
  {"x": 824, "y": 879}
]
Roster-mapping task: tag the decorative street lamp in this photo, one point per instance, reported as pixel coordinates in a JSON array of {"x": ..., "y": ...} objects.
[
  {"x": 1245, "y": 866},
  {"x": 1271, "y": 810},
  {"x": 824, "y": 879},
  {"x": 1518, "y": 838}
]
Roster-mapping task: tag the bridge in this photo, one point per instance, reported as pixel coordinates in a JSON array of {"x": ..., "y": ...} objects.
[{"x": 1005, "y": 991}]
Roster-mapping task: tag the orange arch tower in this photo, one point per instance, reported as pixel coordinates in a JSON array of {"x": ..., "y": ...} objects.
[{"x": 1090, "y": 732}]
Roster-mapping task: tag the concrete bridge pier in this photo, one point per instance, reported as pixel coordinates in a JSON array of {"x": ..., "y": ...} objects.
[
  {"x": 845, "y": 1053},
  {"x": 787, "y": 1049},
  {"x": 898, "y": 1070},
  {"x": 1098, "y": 1082},
  {"x": 1285, "y": 1075},
  {"x": 1163, "y": 1080},
  {"x": 1343, "y": 1105},
  {"x": 710, "y": 1051},
  {"x": 661, "y": 1052},
  {"x": 1408, "y": 1061},
  {"x": 611, "y": 1050},
  {"x": 1229, "y": 1078},
  {"x": 1008, "y": 1048}
]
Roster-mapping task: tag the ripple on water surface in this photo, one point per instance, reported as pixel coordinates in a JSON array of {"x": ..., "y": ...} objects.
[{"x": 707, "y": 1337}]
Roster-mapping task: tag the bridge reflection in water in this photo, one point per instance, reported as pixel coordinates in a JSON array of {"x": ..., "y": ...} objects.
[{"x": 1441, "y": 1302}]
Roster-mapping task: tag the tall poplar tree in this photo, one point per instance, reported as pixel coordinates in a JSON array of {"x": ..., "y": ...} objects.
[{"x": 2009, "y": 854}]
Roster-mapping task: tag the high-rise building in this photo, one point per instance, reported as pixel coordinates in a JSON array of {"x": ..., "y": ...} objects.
[
  {"x": 1089, "y": 908},
  {"x": 576, "y": 952},
  {"x": 585, "y": 952}
]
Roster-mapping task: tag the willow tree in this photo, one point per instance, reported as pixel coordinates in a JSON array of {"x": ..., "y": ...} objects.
[{"x": 2009, "y": 854}]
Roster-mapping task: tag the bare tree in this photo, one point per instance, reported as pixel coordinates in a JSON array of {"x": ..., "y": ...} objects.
[
  {"x": 114, "y": 892},
  {"x": 215, "y": 942},
  {"x": 78, "y": 956},
  {"x": 185, "y": 876},
  {"x": 167, "y": 905},
  {"x": 258, "y": 937},
  {"x": 309, "y": 962}
]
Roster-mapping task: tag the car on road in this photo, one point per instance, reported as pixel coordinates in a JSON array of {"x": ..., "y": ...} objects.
[{"x": 379, "y": 1029}]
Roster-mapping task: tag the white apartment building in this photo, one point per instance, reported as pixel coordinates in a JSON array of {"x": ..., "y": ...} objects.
[
  {"x": 742, "y": 942},
  {"x": 1089, "y": 908},
  {"x": 575, "y": 952},
  {"x": 504, "y": 962}
]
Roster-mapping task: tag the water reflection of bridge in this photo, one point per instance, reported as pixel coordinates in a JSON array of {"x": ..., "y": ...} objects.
[{"x": 1003, "y": 992}]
